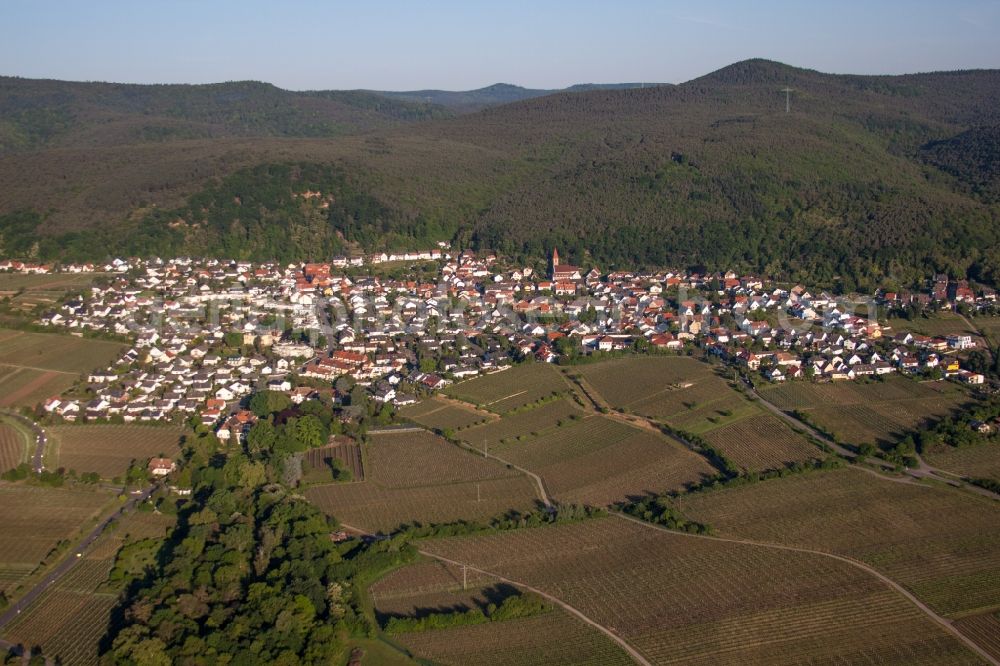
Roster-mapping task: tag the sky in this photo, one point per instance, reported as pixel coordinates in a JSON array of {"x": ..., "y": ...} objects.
[{"x": 459, "y": 45}]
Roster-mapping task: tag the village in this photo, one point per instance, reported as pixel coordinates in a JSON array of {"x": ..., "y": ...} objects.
[{"x": 205, "y": 334}]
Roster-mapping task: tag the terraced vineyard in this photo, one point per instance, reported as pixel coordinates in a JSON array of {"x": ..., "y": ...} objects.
[
  {"x": 421, "y": 477},
  {"x": 109, "y": 449},
  {"x": 36, "y": 519},
  {"x": 984, "y": 629},
  {"x": 438, "y": 413},
  {"x": 761, "y": 442},
  {"x": 13, "y": 446},
  {"x": 875, "y": 412},
  {"x": 503, "y": 391},
  {"x": 942, "y": 545},
  {"x": 685, "y": 600}
]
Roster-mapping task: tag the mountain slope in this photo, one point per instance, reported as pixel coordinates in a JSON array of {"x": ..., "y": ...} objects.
[
  {"x": 42, "y": 113},
  {"x": 851, "y": 189}
]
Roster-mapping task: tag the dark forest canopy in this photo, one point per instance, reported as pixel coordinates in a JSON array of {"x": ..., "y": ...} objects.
[{"x": 869, "y": 180}]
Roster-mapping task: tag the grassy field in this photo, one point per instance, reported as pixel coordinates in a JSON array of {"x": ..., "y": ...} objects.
[
  {"x": 524, "y": 424},
  {"x": 878, "y": 412},
  {"x": 600, "y": 461},
  {"x": 14, "y": 446},
  {"x": 36, "y": 519},
  {"x": 503, "y": 391},
  {"x": 69, "y": 619},
  {"x": 978, "y": 461},
  {"x": 439, "y": 413},
  {"x": 37, "y": 366},
  {"x": 553, "y": 638},
  {"x": 109, "y": 449},
  {"x": 942, "y": 545},
  {"x": 684, "y": 600},
  {"x": 421, "y": 477},
  {"x": 939, "y": 324},
  {"x": 761, "y": 442}
]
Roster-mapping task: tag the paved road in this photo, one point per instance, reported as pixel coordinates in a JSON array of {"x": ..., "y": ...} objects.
[
  {"x": 71, "y": 559},
  {"x": 40, "y": 439},
  {"x": 943, "y": 622}
]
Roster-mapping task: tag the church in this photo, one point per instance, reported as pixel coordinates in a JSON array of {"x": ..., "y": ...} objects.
[{"x": 563, "y": 273}]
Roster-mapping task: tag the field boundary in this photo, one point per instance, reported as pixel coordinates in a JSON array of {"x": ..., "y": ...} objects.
[{"x": 943, "y": 622}]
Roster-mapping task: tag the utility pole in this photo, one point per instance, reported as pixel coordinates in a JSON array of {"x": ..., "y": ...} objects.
[
  {"x": 788, "y": 98},
  {"x": 465, "y": 577},
  {"x": 478, "y": 495},
  {"x": 485, "y": 454}
]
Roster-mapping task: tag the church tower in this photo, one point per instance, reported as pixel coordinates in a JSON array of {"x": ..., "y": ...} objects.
[{"x": 555, "y": 257}]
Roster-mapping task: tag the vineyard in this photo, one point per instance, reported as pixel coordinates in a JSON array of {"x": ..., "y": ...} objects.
[
  {"x": 525, "y": 423},
  {"x": 36, "y": 366},
  {"x": 13, "y": 446},
  {"x": 876, "y": 412},
  {"x": 109, "y": 449},
  {"x": 984, "y": 629},
  {"x": 430, "y": 586},
  {"x": 685, "y": 600},
  {"x": 760, "y": 443},
  {"x": 501, "y": 392},
  {"x": 599, "y": 461},
  {"x": 348, "y": 453},
  {"x": 69, "y": 619},
  {"x": 439, "y": 413},
  {"x": 421, "y": 477},
  {"x": 35, "y": 520},
  {"x": 980, "y": 460},
  {"x": 942, "y": 545}
]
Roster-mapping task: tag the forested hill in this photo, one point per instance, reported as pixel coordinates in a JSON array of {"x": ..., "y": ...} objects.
[
  {"x": 45, "y": 113},
  {"x": 466, "y": 101},
  {"x": 867, "y": 180}
]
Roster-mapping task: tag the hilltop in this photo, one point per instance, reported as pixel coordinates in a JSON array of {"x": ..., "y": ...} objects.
[{"x": 869, "y": 179}]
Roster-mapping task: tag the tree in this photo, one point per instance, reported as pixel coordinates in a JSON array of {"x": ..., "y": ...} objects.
[
  {"x": 265, "y": 403},
  {"x": 309, "y": 431},
  {"x": 261, "y": 438}
]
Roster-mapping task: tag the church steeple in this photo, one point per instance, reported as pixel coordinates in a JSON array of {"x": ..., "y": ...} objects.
[{"x": 555, "y": 257}]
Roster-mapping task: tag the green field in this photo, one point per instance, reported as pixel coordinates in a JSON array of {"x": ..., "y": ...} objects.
[
  {"x": 417, "y": 476},
  {"x": 686, "y": 600},
  {"x": 503, "y": 391},
  {"x": 942, "y": 545},
  {"x": 877, "y": 412},
  {"x": 109, "y": 449}
]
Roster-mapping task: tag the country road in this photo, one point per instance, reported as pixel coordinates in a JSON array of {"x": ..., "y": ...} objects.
[
  {"x": 72, "y": 557},
  {"x": 943, "y": 622}
]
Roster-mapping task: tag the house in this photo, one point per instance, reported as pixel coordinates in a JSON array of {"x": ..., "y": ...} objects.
[{"x": 161, "y": 466}]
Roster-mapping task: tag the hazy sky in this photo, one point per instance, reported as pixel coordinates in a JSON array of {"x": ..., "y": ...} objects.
[{"x": 309, "y": 44}]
